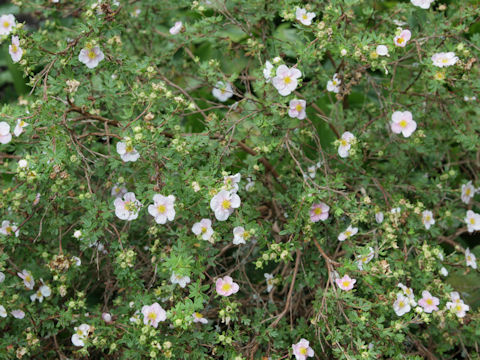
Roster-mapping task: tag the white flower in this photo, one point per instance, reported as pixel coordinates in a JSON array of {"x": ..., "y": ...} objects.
[
  {"x": 175, "y": 29},
  {"x": 345, "y": 144},
  {"x": 9, "y": 229},
  {"x": 230, "y": 183},
  {"x": 127, "y": 152},
  {"x": 3, "y": 312},
  {"x": 382, "y": 50},
  {"x": 128, "y": 207},
  {"x": 107, "y": 317},
  {"x": 163, "y": 208},
  {"x": 379, "y": 217},
  {"x": 365, "y": 259},
  {"x": 473, "y": 221},
  {"x": 347, "y": 233},
  {"x": 270, "y": 281},
  {"x": 456, "y": 305},
  {"x": 7, "y": 23},
  {"x": 77, "y": 234},
  {"x": 427, "y": 219},
  {"x": 2, "y": 277},
  {"x": 343, "y": 52},
  {"x": 297, "y": 109},
  {"x": 444, "y": 59},
  {"x": 22, "y": 164},
  {"x": 43, "y": 292},
  {"x": 80, "y": 335},
  {"x": 286, "y": 79},
  {"x": 250, "y": 184},
  {"x": 5, "y": 136},
  {"x": 14, "y": 49},
  {"x": 468, "y": 191},
  {"x": 118, "y": 190},
  {"x": 240, "y": 235},
  {"x": 198, "y": 318},
  {"x": 180, "y": 280},
  {"x": 18, "y": 314},
  {"x": 334, "y": 84},
  {"x": 443, "y": 271},
  {"x": 408, "y": 292},
  {"x": 470, "y": 259},
  {"x": 424, "y": 4},
  {"x": 222, "y": 91},
  {"x": 77, "y": 260},
  {"x": 402, "y": 305},
  {"x": 267, "y": 71},
  {"x": 304, "y": 17},
  {"x": 27, "y": 278},
  {"x": 203, "y": 228},
  {"x": 91, "y": 56},
  {"x": 196, "y": 186},
  {"x": 402, "y": 122},
  {"x": 224, "y": 204}
]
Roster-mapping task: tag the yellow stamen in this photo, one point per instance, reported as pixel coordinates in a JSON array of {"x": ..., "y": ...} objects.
[
  {"x": 161, "y": 209},
  {"x": 226, "y": 204},
  {"x": 226, "y": 287},
  {"x": 403, "y": 123},
  {"x": 287, "y": 80}
]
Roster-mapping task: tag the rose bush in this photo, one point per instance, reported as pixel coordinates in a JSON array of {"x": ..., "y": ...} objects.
[{"x": 240, "y": 179}]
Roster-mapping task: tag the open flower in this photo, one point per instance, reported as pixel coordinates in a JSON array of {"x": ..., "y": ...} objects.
[
  {"x": 19, "y": 127},
  {"x": 18, "y": 314},
  {"x": 180, "y": 280},
  {"x": 7, "y": 23},
  {"x": 444, "y": 59},
  {"x": 427, "y": 219},
  {"x": 118, "y": 190},
  {"x": 428, "y": 302},
  {"x": 345, "y": 283},
  {"x": 456, "y": 305},
  {"x": 334, "y": 84},
  {"x": 9, "y": 229},
  {"x": 127, "y": 152},
  {"x": 203, "y": 229},
  {"x": 270, "y": 281},
  {"x": 297, "y": 109},
  {"x": 408, "y": 292},
  {"x": 80, "y": 335},
  {"x": 473, "y": 221},
  {"x": 302, "y": 350},
  {"x": 27, "y": 278},
  {"x": 231, "y": 182},
  {"x": 175, "y": 29},
  {"x": 199, "y": 318},
  {"x": 267, "y": 71},
  {"x": 107, "y": 317},
  {"x": 402, "y": 122},
  {"x": 163, "y": 208},
  {"x": 468, "y": 191},
  {"x": 470, "y": 259},
  {"x": 5, "y": 136},
  {"x": 304, "y": 17},
  {"x": 15, "y": 51},
  {"x": 402, "y": 38},
  {"x": 365, "y": 259},
  {"x": 153, "y": 314},
  {"x": 319, "y": 211},
  {"x": 222, "y": 91},
  {"x": 424, "y": 4},
  {"x": 224, "y": 203},
  {"x": 226, "y": 286},
  {"x": 286, "y": 79},
  {"x": 128, "y": 207},
  {"x": 345, "y": 144},
  {"x": 91, "y": 56},
  {"x": 43, "y": 292},
  {"x": 347, "y": 233},
  {"x": 240, "y": 235},
  {"x": 382, "y": 50},
  {"x": 401, "y": 306}
]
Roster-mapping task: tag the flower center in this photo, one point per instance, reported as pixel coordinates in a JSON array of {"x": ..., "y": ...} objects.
[
  {"x": 9, "y": 229},
  {"x": 129, "y": 148},
  {"x": 472, "y": 221},
  {"x": 304, "y": 17},
  {"x": 161, "y": 209},
  {"x": 343, "y": 142},
  {"x": 287, "y": 80},
  {"x": 299, "y": 107},
  {"x": 429, "y": 302},
  {"x": 129, "y": 206},
  {"x": 198, "y": 315},
  {"x": 364, "y": 259},
  {"x": 403, "y": 123},
  {"x": 317, "y": 211},
  {"x": 467, "y": 192},
  {"x": 428, "y": 218},
  {"x": 92, "y": 55},
  {"x": 401, "y": 304},
  {"x": 444, "y": 60},
  {"x": 226, "y": 287},
  {"x": 458, "y": 308},
  {"x": 6, "y": 24},
  {"x": 226, "y": 204},
  {"x": 348, "y": 233},
  {"x": 204, "y": 229},
  {"x": 14, "y": 50},
  {"x": 28, "y": 278},
  {"x": 303, "y": 350},
  {"x": 346, "y": 283},
  {"x": 152, "y": 316}
]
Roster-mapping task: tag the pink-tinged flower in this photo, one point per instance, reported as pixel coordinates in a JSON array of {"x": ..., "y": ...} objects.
[
  {"x": 444, "y": 59},
  {"x": 180, "y": 280},
  {"x": 468, "y": 191},
  {"x": 304, "y": 17},
  {"x": 14, "y": 49},
  {"x": 456, "y": 305},
  {"x": 473, "y": 221},
  {"x": 424, "y": 4},
  {"x": 402, "y": 122},
  {"x": 345, "y": 283},
  {"x": 401, "y": 306},
  {"x": 163, "y": 208},
  {"x": 319, "y": 211},
  {"x": 402, "y": 38},
  {"x": 91, "y": 56},
  {"x": 18, "y": 314},
  {"x": 222, "y": 91},
  {"x": 346, "y": 142},
  {"x": 107, "y": 317},
  {"x": 128, "y": 207},
  {"x": 226, "y": 287},
  {"x": 286, "y": 79},
  {"x": 203, "y": 229},
  {"x": 347, "y": 233},
  {"x": 427, "y": 219},
  {"x": 334, "y": 84},
  {"x": 127, "y": 152},
  {"x": 19, "y": 127},
  {"x": 175, "y": 29},
  {"x": 470, "y": 259},
  {"x": 198, "y": 318},
  {"x": 7, "y": 23},
  {"x": 27, "y": 278},
  {"x": 297, "y": 109},
  {"x": 153, "y": 314},
  {"x": 230, "y": 183},
  {"x": 9, "y": 228},
  {"x": 224, "y": 203},
  {"x": 302, "y": 350},
  {"x": 118, "y": 190},
  {"x": 428, "y": 302},
  {"x": 80, "y": 335},
  {"x": 5, "y": 136},
  {"x": 240, "y": 236}
]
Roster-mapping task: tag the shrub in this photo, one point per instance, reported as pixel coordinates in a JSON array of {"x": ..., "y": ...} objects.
[{"x": 240, "y": 179}]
